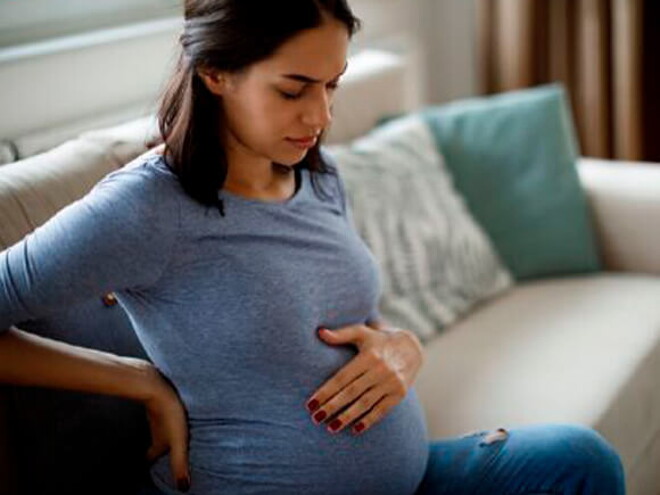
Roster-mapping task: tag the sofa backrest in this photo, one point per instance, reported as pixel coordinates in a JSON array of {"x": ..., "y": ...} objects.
[{"x": 33, "y": 190}]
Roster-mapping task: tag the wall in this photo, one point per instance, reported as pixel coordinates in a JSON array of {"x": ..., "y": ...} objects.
[
  {"x": 52, "y": 90},
  {"x": 450, "y": 36},
  {"x": 440, "y": 39}
]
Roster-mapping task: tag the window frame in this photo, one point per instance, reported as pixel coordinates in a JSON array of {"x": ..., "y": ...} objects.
[{"x": 29, "y": 21}]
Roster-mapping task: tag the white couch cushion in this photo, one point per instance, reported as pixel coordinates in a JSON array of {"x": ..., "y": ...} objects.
[
  {"x": 374, "y": 86},
  {"x": 581, "y": 349},
  {"x": 624, "y": 197}
]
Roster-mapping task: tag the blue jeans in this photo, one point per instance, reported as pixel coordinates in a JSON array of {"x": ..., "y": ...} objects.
[
  {"x": 558, "y": 459},
  {"x": 538, "y": 459}
]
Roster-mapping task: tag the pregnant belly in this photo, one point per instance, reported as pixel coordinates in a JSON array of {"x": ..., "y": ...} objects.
[{"x": 289, "y": 454}]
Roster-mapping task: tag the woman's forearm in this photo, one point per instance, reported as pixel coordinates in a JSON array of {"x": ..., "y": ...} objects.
[{"x": 28, "y": 359}]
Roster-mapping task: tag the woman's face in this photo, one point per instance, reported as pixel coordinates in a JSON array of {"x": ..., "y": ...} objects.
[{"x": 287, "y": 96}]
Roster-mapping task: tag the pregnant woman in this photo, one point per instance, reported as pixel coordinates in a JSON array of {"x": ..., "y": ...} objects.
[{"x": 232, "y": 250}]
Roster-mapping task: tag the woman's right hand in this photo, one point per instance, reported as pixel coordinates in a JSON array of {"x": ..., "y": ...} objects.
[
  {"x": 31, "y": 360},
  {"x": 169, "y": 427}
]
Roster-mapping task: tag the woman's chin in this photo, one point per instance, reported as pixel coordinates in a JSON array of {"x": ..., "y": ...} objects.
[{"x": 291, "y": 159}]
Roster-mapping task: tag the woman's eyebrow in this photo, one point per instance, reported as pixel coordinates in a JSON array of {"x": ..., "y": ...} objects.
[{"x": 307, "y": 79}]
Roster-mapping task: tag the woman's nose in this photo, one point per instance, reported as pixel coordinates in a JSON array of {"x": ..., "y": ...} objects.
[{"x": 318, "y": 114}]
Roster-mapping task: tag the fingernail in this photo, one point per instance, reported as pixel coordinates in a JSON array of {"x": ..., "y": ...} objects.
[
  {"x": 313, "y": 405},
  {"x": 183, "y": 484},
  {"x": 320, "y": 416},
  {"x": 334, "y": 426},
  {"x": 358, "y": 428}
]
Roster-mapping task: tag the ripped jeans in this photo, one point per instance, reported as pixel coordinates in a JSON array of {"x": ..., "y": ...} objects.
[
  {"x": 538, "y": 459},
  {"x": 558, "y": 459}
]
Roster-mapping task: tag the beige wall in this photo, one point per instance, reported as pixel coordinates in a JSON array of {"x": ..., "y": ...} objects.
[
  {"x": 441, "y": 37},
  {"x": 449, "y": 30}
]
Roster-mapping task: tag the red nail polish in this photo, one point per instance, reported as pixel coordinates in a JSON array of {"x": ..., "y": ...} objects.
[
  {"x": 313, "y": 405},
  {"x": 335, "y": 424},
  {"x": 320, "y": 416},
  {"x": 359, "y": 427}
]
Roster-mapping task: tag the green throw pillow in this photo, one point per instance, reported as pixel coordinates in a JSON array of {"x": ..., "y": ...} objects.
[{"x": 513, "y": 157}]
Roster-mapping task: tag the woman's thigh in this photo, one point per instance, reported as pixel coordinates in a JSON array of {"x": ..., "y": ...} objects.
[{"x": 537, "y": 459}]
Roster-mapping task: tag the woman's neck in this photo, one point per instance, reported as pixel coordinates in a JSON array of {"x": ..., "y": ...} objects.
[{"x": 279, "y": 185}]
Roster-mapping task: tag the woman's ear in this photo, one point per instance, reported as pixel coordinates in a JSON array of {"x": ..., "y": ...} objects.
[{"x": 214, "y": 80}]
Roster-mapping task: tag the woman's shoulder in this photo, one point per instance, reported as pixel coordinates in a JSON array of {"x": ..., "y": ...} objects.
[
  {"x": 143, "y": 177},
  {"x": 144, "y": 192}
]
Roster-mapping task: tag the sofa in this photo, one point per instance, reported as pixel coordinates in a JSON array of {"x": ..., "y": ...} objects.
[{"x": 579, "y": 348}]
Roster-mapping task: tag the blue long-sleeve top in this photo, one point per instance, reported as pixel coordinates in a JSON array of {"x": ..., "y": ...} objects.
[{"x": 227, "y": 308}]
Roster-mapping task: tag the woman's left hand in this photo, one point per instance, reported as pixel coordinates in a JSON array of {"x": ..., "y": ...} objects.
[{"x": 373, "y": 382}]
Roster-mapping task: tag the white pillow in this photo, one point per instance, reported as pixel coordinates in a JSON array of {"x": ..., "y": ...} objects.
[{"x": 435, "y": 261}]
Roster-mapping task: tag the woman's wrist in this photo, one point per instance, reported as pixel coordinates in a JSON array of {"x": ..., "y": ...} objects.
[
  {"x": 152, "y": 388},
  {"x": 149, "y": 386}
]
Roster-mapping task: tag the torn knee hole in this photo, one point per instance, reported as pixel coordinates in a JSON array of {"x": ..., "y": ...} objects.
[{"x": 498, "y": 435}]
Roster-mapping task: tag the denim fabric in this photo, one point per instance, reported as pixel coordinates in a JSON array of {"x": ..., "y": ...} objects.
[
  {"x": 537, "y": 459},
  {"x": 531, "y": 460}
]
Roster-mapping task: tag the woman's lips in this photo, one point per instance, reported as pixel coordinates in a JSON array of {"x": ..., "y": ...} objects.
[{"x": 303, "y": 143}]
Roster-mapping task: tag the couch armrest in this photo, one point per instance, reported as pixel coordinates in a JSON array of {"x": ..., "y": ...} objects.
[{"x": 624, "y": 198}]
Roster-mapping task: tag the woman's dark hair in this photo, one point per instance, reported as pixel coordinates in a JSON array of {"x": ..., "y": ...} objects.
[{"x": 227, "y": 35}]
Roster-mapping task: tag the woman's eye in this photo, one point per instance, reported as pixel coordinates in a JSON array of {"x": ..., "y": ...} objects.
[
  {"x": 295, "y": 96},
  {"x": 290, "y": 96}
]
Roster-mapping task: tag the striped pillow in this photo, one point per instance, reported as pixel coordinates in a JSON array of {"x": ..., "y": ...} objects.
[{"x": 435, "y": 261}]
